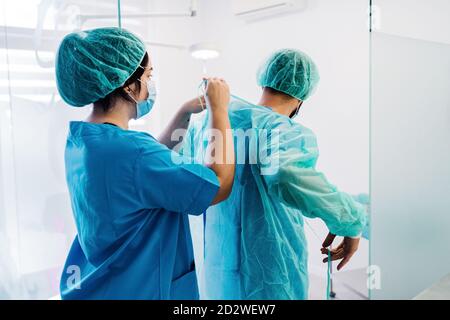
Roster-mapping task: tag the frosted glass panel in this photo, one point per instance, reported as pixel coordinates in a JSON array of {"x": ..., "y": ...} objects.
[
  {"x": 36, "y": 224},
  {"x": 410, "y": 156}
]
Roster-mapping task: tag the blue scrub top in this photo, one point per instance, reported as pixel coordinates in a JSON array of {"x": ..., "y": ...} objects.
[{"x": 131, "y": 197}]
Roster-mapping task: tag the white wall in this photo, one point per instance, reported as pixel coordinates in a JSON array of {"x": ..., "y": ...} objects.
[
  {"x": 333, "y": 33},
  {"x": 415, "y": 19}
]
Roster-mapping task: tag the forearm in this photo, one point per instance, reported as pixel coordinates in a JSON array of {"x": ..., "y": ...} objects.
[
  {"x": 179, "y": 121},
  {"x": 222, "y": 162},
  {"x": 310, "y": 191}
]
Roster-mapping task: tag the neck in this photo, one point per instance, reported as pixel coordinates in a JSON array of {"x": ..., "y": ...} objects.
[
  {"x": 278, "y": 103},
  {"x": 118, "y": 115}
]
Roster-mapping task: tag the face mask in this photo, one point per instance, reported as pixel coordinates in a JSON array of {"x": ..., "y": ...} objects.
[{"x": 144, "y": 107}]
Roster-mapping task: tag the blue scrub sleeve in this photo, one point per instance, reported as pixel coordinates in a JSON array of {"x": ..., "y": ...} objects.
[
  {"x": 165, "y": 179},
  {"x": 297, "y": 183}
]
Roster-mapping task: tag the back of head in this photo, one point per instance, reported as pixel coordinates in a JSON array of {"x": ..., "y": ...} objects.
[
  {"x": 291, "y": 72},
  {"x": 91, "y": 64}
]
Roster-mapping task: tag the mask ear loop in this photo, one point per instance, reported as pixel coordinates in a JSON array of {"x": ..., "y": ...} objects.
[
  {"x": 128, "y": 93},
  {"x": 142, "y": 82},
  {"x": 145, "y": 85},
  {"x": 136, "y": 103}
]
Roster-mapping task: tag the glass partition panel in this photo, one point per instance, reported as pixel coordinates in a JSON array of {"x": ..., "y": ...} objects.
[
  {"x": 410, "y": 149},
  {"x": 36, "y": 225}
]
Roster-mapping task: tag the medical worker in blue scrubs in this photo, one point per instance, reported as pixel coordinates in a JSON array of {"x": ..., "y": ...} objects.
[{"x": 130, "y": 193}]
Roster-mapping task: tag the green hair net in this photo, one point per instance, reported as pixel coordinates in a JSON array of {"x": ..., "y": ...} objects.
[
  {"x": 93, "y": 63},
  {"x": 289, "y": 71}
]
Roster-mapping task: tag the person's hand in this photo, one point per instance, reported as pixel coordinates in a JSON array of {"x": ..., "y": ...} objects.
[
  {"x": 217, "y": 94},
  {"x": 344, "y": 251},
  {"x": 195, "y": 105}
]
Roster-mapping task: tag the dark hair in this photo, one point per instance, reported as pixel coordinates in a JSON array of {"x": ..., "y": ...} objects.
[
  {"x": 107, "y": 102},
  {"x": 283, "y": 96},
  {"x": 275, "y": 92}
]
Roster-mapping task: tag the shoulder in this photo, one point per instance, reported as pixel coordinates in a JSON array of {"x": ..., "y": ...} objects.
[
  {"x": 142, "y": 140},
  {"x": 287, "y": 126},
  {"x": 128, "y": 144}
]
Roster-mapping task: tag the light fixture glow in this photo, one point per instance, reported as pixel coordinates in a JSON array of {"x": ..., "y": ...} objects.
[{"x": 204, "y": 51}]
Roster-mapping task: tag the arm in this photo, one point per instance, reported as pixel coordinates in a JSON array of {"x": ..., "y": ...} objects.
[
  {"x": 309, "y": 190},
  {"x": 180, "y": 121},
  {"x": 223, "y": 160},
  {"x": 298, "y": 184}
]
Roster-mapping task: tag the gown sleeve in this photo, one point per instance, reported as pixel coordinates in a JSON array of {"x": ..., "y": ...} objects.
[{"x": 297, "y": 183}]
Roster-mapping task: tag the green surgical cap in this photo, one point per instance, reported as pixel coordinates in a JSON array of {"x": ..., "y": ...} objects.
[
  {"x": 289, "y": 71},
  {"x": 93, "y": 63}
]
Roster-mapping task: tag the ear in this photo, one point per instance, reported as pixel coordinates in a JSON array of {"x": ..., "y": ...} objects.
[{"x": 127, "y": 89}]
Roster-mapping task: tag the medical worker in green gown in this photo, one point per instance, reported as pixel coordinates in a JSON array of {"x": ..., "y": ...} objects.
[{"x": 255, "y": 246}]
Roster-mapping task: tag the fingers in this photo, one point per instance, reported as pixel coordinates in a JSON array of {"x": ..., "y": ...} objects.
[
  {"x": 344, "y": 251},
  {"x": 217, "y": 94},
  {"x": 214, "y": 83},
  {"x": 351, "y": 246},
  {"x": 344, "y": 261},
  {"x": 329, "y": 240},
  {"x": 213, "y": 79},
  {"x": 332, "y": 251},
  {"x": 335, "y": 255}
]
